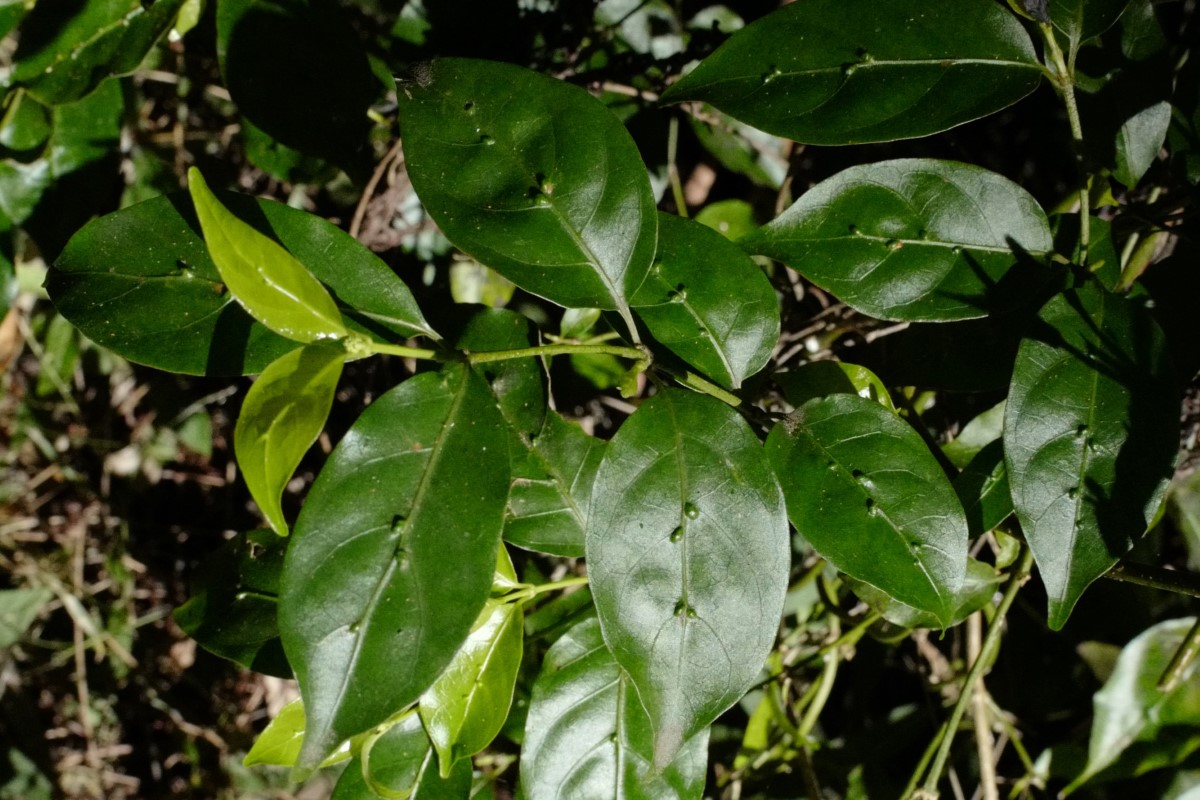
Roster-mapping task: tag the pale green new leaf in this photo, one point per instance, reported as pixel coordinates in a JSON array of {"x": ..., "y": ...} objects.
[
  {"x": 588, "y": 738},
  {"x": 282, "y": 416},
  {"x": 688, "y": 557},
  {"x": 267, "y": 280},
  {"x": 279, "y": 743},
  {"x": 400, "y": 764},
  {"x": 468, "y": 703}
]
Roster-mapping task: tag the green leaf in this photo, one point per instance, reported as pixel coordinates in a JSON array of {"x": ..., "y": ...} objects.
[
  {"x": 911, "y": 239},
  {"x": 552, "y": 489},
  {"x": 823, "y": 378},
  {"x": 740, "y": 148},
  {"x": 233, "y": 607},
  {"x": 18, "y": 609},
  {"x": 270, "y": 283},
  {"x": 400, "y": 763},
  {"x": 518, "y": 383},
  {"x": 688, "y": 557},
  {"x": 279, "y": 743},
  {"x": 978, "y": 589},
  {"x": 25, "y": 125},
  {"x": 1090, "y": 436},
  {"x": 856, "y": 71},
  {"x": 284, "y": 412},
  {"x": 1081, "y": 20},
  {"x": 468, "y": 703},
  {"x": 983, "y": 489},
  {"x": 1139, "y": 139},
  {"x": 281, "y": 59},
  {"x": 548, "y": 188},
  {"x": 733, "y": 219},
  {"x": 392, "y": 557},
  {"x": 140, "y": 282},
  {"x": 63, "y": 53},
  {"x": 588, "y": 738},
  {"x": 975, "y": 435},
  {"x": 865, "y": 491},
  {"x": 1130, "y": 709},
  {"x": 708, "y": 302}
]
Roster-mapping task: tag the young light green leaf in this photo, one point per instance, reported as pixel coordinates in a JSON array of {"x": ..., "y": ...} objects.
[
  {"x": 688, "y": 557},
  {"x": 400, "y": 763},
  {"x": 552, "y": 489},
  {"x": 1130, "y": 710},
  {"x": 588, "y": 738},
  {"x": 911, "y": 239},
  {"x": 823, "y": 378},
  {"x": 149, "y": 261},
  {"x": 708, "y": 302},
  {"x": 393, "y": 555},
  {"x": 978, "y": 589},
  {"x": 857, "y": 71},
  {"x": 284, "y": 412},
  {"x": 977, "y": 434},
  {"x": 865, "y": 491},
  {"x": 1090, "y": 436},
  {"x": 548, "y": 188},
  {"x": 1139, "y": 139},
  {"x": 279, "y": 743},
  {"x": 468, "y": 703},
  {"x": 274, "y": 287}
]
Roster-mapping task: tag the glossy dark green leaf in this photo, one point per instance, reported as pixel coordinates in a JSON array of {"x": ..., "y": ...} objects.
[
  {"x": 823, "y": 378},
  {"x": 978, "y": 589},
  {"x": 533, "y": 177},
  {"x": 284, "y": 412},
  {"x": 1131, "y": 710},
  {"x": 140, "y": 282},
  {"x": 392, "y": 557},
  {"x": 1141, "y": 33},
  {"x": 864, "y": 490},
  {"x": 552, "y": 489},
  {"x": 468, "y": 703},
  {"x": 911, "y": 239},
  {"x": 1080, "y": 20},
  {"x": 1090, "y": 436},
  {"x": 588, "y": 738},
  {"x": 270, "y": 283},
  {"x": 688, "y": 556},
  {"x": 232, "y": 610},
  {"x": 708, "y": 302},
  {"x": 65, "y": 52},
  {"x": 282, "y": 60},
  {"x": 519, "y": 383},
  {"x": 11, "y": 14},
  {"x": 983, "y": 489},
  {"x": 855, "y": 71},
  {"x": 401, "y": 763}
]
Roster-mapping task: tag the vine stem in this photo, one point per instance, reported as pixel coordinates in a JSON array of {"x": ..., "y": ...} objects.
[
  {"x": 986, "y": 653},
  {"x": 1182, "y": 659},
  {"x": 1157, "y": 578},
  {"x": 529, "y": 592},
  {"x": 1064, "y": 80},
  {"x": 557, "y": 350}
]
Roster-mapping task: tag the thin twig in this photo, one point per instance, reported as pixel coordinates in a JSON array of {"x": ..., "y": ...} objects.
[{"x": 396, "y": 153}]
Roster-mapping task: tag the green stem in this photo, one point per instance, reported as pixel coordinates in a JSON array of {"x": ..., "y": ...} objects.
[
  {"x": 1182, "y": 659},
  {"x": 694, "y": 381},
  {"x": 378, "y": 348},
  {"x": 1064, "y": 80},
  {"x": 986, "y": 652},
  {"x": 911, "y": 789},
  {"x": 851, "y": 637},
  {"x": 824, "y": 687},
  {"x": 529, "y": 592},
  {"x": 556, "y": 350},
  {"x": 1168, "y": 580},
  {"x": 673, "y": 168}
]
